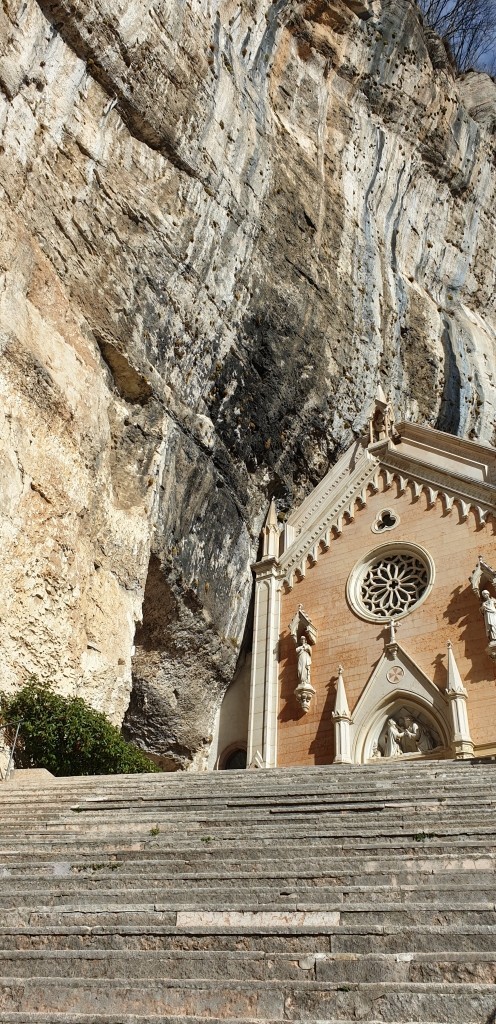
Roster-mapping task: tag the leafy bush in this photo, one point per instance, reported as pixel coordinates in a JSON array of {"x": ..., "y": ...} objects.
[{"x": 65, "y": 735}]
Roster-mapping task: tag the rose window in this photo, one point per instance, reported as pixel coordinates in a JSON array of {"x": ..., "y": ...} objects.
[
  {"x": 390, "y": 581},
  {"x": 393, "y": 584}
]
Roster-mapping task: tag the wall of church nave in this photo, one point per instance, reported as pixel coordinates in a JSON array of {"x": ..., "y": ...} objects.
[
  {"x": 451, "y": 611},
  {"x": 231, "y": 723}
]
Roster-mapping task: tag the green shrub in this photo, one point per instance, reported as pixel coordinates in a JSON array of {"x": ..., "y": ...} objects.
[{"x": 65, "y": 735}]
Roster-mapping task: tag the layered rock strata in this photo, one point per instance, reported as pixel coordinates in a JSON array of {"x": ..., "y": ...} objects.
[{"x": 221, "y": 225}]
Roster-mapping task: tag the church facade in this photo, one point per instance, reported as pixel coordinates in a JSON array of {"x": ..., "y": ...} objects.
[{"x": 375, "y": 611}]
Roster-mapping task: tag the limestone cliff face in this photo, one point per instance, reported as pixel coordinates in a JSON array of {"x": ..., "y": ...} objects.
[{"x": 222, "y": 223}]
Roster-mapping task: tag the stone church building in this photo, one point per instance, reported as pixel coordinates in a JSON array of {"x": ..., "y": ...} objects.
[{"x": 375, "y": 611}]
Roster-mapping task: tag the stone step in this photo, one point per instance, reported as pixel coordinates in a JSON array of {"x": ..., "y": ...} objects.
[
  {"x": 249, "y": 892},
  {"x": 428, "y": 852},
  {"x": 244, "y": 814},
  {"x": 392, "y": 794},
  {"x": 464, "y": 835},
  {"x": 191, "y": 789},
  {"x": 254, "y": 890},
  {"x": 437, "y": 1002},
  {"x": 257, "y": 802},
  {"x": 422, "y": 867},
  {"x": 103, "y": 881},
  {"x": 248, "y": 858},
  {"x": 453, "y": 829},
  {"x": 279, "y": 776},
  {"x": 157, "y": 842},
  {"x": 225, "y": 818},
  {"x": 125, "y": 1018},
  {"x": 447, "y": 967},
  {"x": 402, "y": 871},
  {"x": 62, "y": 833},
  {"x": 247, "y": 915},
  {"x": 350, "y": 939}
]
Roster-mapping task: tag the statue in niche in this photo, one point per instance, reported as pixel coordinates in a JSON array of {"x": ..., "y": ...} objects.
[
  {"x": 404, "y": 735},
  {"x": 379, "y": 426},
  {"x": 392, "y": 739},
  {"x": 410, "y": 739},
  {"x": 488, "y": 609},
  {"x": 304, "y": 652},
  {"x": 304, "y": 691}
]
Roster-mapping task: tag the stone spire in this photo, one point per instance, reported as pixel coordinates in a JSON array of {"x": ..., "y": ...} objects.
[
  {"x": 457, "y": 696},
  {"x": 455, "y": 684},
  {"x": 271, "y": 533},
  {"x": 380, "y": 398},
  {"x": 341, "y": 708},
  {"x": 342, "y": 723}
]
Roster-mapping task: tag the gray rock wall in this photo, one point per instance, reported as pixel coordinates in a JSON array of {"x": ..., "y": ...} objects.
[{"x": 221, "y": 224}]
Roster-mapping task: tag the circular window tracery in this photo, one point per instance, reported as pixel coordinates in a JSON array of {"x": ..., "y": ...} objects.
[
  {"x": 390, "y": 582},
  {"x": 393, "y": 584}
]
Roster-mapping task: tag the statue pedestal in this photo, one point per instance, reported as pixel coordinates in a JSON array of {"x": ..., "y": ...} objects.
[{"x": 304, "y": 693}]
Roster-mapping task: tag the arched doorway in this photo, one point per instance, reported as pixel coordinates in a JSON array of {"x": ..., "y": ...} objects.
[{"x": 233, "y": 758}]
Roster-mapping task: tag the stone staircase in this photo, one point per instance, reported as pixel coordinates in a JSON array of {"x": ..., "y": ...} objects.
[{"x": 322, "y": 894}]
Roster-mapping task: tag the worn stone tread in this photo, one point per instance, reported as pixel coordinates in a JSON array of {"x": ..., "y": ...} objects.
[
  {"x": 378, "y": 889},
  {"x": 436, "y": 1001},
  {"x": 253, "y": 965},
  {"x": 84, "y": 1018}
]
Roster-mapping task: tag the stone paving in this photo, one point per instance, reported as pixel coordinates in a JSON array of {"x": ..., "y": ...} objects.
[{"x": 322, "y": 894}]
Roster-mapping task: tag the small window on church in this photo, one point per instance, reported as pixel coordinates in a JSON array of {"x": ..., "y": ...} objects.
[
  {"x": 391, "y": 582},
  {"x": 386, "y": 521}
]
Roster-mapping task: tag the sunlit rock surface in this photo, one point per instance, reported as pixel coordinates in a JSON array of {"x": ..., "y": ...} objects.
[{"x": 221, "y": 224}]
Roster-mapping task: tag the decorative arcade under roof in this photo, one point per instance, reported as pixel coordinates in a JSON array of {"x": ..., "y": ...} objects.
[{"x": 375, "y": 607}]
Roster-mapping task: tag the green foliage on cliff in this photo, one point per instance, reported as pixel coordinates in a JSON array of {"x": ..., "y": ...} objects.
[{"x": 65, "y": 735}]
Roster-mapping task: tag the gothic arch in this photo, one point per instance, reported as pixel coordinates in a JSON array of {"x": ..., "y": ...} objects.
[{"x": 396, "y": 686}]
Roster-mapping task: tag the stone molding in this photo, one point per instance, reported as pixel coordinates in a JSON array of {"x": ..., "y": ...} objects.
[
  {"x": 386, "y": 692},
  {"x": 453, "y": 470},
  {"x": 346, "y": 487},
  {"x": 468, "y": 494}
]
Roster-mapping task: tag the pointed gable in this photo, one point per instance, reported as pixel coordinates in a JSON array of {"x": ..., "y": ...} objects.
[{"x": 400, "y": 528}]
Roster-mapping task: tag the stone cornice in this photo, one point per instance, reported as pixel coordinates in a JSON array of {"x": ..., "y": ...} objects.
[
  {"x": 335, "y": 503},
  {"x": 479, "y": 496},
  {"x": 341, "y": 503},
  {"x": 319, "y": 497},
  {"x": 457, "y": 446}
]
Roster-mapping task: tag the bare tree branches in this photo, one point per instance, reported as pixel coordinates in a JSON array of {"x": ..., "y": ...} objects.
[{"x": 468, "y": 27}]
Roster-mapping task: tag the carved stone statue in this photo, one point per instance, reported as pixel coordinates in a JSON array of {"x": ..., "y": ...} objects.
[
  {"x": 304, "y": 652},
  {"x": 488, "y": 609},
  {"x": 411, "y": 736},
  {"x": 404, "y": 735},
  {"x": 379, "y": 426},
  {"x": 304, "y": 690},
  {"x": 381, "y": 419},
  {"x": 392, "y": 739}
]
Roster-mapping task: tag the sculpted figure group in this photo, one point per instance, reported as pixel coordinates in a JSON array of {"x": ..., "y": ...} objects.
[{"x": 405, "y": 737}]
